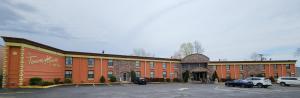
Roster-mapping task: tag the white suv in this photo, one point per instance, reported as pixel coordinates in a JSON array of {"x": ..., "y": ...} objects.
[
  {"x": 286, "y": 81},
  {"x": 260, "y": 82}
]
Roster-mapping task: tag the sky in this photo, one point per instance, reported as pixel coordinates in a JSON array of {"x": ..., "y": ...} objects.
[{"x": 227, "y": 29}]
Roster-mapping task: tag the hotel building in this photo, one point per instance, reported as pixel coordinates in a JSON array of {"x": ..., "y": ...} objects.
[{"x": 24, "y": 59}]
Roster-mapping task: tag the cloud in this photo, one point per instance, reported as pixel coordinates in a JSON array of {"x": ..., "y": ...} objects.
[{"x": 14, "y": 19}]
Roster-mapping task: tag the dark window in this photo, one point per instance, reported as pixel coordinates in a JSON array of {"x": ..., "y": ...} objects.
[
  {"x": 91, "y": 74},
  {"x": 69, "y": 61},
  {"x": 227, "y": 67},
  {"x": 110, "y": 62},
  {"x": 287, "y": 66},
  {"x": 138, "y": 74},
  {"x": 110, "y": 73},
  {"x": 164, "y": 74},
  {"x": 137, "y": 63},
  {"x": 241, "y": 67},
  {"x": 275, "y": 67},
  {"x": 164, "y": 65},
  {"x": 152, "y": 65},
  {"x": 68, "y": 74},
  {"x": 91, "y": 62}
]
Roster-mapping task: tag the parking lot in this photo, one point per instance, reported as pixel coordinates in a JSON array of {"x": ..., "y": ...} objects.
[{"x": 172, "y": 90}]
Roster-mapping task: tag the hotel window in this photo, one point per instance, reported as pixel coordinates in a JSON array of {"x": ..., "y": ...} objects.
[
  {"x": 263, "y": 66},
  {"x": 152, "y": 65},
  {"x": 110, "y": 63},
  {"x": 109, "y": 74},
  {"x": 138, "y": 74},
  {"x": 275, "y": 67},
  {"x": 91, "y": 74},
  {"x": 287, "y": 66},
  {"x": 241, "y": 67},
  {"x": 137, "y": 64},
  {"x": 151, "y": 74},
  {"x": 68, "y": 74},
  {"x": 227, "y": 67},
  {"x": 91, "y": 62},
  {"x": 228, "y": 76},
  {"x": 164, "y": 65},
  {"x": 69, "y": 61},
  {"x": 164, "y": 74}
]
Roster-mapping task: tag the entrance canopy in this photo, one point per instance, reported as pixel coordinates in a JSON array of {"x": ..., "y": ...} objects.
[{"x": 195, "y": 58}]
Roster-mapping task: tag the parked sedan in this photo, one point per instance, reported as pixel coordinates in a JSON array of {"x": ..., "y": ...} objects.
[
  {"x": 140, "y": 81},
  {"x": 239, "y": 83}
]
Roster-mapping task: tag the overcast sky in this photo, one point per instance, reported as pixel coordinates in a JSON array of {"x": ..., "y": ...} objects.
[{"x": 227, "y": 29}]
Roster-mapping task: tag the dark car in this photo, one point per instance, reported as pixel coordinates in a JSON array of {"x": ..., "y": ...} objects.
[
  {"x": 140, "y": 81},
  {"x": 239, "y": 83}
]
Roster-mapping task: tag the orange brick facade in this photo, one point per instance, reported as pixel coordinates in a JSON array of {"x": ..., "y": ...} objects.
[{"x": 26, "y": 59}]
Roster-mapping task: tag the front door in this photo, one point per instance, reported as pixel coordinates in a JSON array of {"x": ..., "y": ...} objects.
[{"x": 124, "y": 76}]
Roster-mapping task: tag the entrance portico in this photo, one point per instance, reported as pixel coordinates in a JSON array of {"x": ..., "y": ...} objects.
[{"x": 196, "y": 64}]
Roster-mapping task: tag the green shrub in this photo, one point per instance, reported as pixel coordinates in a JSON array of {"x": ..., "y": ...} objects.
[
  {"x": 113, "y": 79},
  {"x": 56, "y": 80},
  {"x": 68, "y": 81},
  {"x": 168, "y": 80},
  {"x": 133, "y": 76},
  {"x": 176, "y": 80},
  {"x": 46, "y": 83},
  {"x": 36, "y": 81},
  {"x": 186, "y": 76},
  {"x": 102, "y": 79}
]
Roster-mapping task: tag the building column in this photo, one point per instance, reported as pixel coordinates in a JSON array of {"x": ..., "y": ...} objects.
[
  {"x": 21, "y": 74},
  {"x": 145, "y": 69},
  {"x": 4, "y": 67}
]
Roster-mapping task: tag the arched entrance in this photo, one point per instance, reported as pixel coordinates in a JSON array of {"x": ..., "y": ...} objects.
[{"x": 196, "y": 64}]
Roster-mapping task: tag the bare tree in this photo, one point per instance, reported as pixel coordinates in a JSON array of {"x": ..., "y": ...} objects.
[
  {"x": 186, "y": 49},
  {"x": 177, "y": 55},
  {"x": 141, "y": 52},
  {"x": 198, "y": 47},
  {"x": 258, "y": 56}
]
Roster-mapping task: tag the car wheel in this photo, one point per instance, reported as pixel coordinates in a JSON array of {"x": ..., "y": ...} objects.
[
  {"x": 259, "y": 85},
  {"x": 282, "y": 84}
]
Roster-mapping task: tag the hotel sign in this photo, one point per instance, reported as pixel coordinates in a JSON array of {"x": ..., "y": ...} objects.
[{"x": 43, "y": 60}]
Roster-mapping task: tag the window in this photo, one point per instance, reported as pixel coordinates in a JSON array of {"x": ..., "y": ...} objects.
[
  {"x": 68, "y": 74},
  {"x": 287, "y": 66},
  {"x": 138, "y": 74},
  {"x": 152, "y": 65},
  {"x": 227, "y": 76},
  {"x": 69, "y": 61},
  {"x": 110, "y": 63},
  {"x": 110, "y": 73},
  {"x": 164, "y": 65},
  {"x": 91, "y": 62},
  {"x": 137, "y": 63},
  {"x": 91, "y": 74},
  {"x": 164, "y": 74},
  {"x": 151, "y": 74},
  {"x": 227, "y": 67},
  {"x": 241, "y": 67},
  {"x": 275, "y": 67}
]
